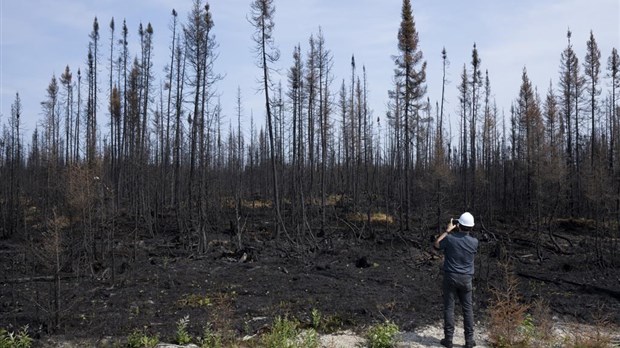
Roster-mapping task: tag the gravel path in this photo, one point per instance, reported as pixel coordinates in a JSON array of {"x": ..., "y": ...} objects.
[
  {"x": 425, "y": 337},
  {"x": 430, "y": 336}
]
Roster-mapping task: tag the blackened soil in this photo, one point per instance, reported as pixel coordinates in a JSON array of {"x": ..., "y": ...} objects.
[{"x": 352, "y": 278}]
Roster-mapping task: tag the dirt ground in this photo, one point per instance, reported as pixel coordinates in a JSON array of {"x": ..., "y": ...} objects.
[{"x": 352, "y": 280}]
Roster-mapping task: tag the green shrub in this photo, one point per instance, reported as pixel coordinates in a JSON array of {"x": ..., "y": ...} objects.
[
  {"x": 141, "y": 339},
  {"x": 182, "y": 336},
  {"x": 316, "y": 318},
  {"x": 282, "y": 335},
  {"x": 20, "y": 339},
  {"x": 210, "y": 339},
  {"x": 382, "y": 335},
  {"x": 285, "y": 333},
  {"x": 308, "y": 338}
]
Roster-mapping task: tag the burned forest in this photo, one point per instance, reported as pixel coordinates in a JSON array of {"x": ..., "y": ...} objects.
[{"x": 139, "y": 203}]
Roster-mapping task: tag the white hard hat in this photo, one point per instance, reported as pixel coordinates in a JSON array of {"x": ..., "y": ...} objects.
[{"x": 466, "y": 219}]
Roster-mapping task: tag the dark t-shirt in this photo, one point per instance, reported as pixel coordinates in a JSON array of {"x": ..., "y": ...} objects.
[{"x": 459, "y": 249}]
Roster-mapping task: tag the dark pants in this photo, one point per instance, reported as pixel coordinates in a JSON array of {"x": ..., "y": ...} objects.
[{"x": 458, "y": 285}]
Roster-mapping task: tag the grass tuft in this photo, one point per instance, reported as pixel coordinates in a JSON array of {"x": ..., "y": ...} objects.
[
  {"x": 141, "y": 339},
  {"x": 286, "y": 333},
  {"x": 382, "y": 335},
  {"x": 19, "y": 339}
]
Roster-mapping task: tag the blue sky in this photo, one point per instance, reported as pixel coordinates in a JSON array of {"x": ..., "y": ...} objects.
[{"x": 40, "y": 37}]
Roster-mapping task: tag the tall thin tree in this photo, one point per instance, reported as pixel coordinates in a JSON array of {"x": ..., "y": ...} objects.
[
  {"x": 411, "y": 72},
  {"x": 262, "y": 18},
  {"x": 613, "y": 67},
  {"x": 568, "y": 86},
  {"x": 91, "y": 124},
  {"x": 592, "y": 67},
  {"x": 67, "y": 83}
]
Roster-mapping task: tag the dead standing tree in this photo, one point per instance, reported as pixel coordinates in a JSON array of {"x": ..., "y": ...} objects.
[
  {"x": 410, "y": 72},
  {"x": 91, "y": 110},
  {"x": 613, "y": 66},
  {"x": 568, "y": 86},
  {"x": 262, "y": 13},
  {"x": 10, "y": 206},
  {"x": 295, "y": 94},
  {"x": 324, "y": 65},
  {"x": 476, "y": 84},
  {"x": 199, "y": 47}
]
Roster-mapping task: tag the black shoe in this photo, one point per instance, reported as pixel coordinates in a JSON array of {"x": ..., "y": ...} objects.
[
  {"x": 470, "y": 344},
  {"x": 446, "y": 342}
]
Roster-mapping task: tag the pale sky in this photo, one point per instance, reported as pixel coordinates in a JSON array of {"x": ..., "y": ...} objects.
[{"x": 40, "y": 37}]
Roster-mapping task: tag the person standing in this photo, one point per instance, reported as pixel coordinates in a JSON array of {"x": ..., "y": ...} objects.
[{"x": 459, "y": 249}]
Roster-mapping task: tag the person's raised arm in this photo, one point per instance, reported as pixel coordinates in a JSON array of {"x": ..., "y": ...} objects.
[{"x": 449, "y": 229}]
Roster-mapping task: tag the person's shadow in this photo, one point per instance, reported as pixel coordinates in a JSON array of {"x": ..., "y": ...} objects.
[{"x": 414, "y": 339}]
